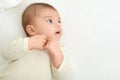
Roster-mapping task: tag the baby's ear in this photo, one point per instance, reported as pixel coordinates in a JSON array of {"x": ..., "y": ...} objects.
[{"x": 30, "y": 30}]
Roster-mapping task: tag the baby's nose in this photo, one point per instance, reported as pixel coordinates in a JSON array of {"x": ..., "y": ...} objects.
[{"x": 58, "y": 24}]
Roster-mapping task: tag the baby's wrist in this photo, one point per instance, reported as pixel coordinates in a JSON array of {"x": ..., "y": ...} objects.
[
  {"x": 56, "y": 54},
  {"x": 30, "y": 45},
  {"x": 57, "y": 60}
]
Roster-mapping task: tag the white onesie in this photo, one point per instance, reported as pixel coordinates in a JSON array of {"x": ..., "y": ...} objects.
[{"x": 24, "y": 64}]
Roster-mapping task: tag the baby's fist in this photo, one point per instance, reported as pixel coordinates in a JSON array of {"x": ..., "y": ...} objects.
[{"x": 37, "y": 42}]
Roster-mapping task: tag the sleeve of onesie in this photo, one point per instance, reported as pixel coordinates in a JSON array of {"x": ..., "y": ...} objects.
[
  {"x": 15, "y": 49},
  {"x": 64, "y": 72}
]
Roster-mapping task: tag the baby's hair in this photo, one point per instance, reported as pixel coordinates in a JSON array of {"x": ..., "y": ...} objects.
[{"x": 31, "y": 12}]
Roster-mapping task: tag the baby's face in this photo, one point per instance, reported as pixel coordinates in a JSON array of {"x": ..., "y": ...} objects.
[{"x": 48, "y": 23}]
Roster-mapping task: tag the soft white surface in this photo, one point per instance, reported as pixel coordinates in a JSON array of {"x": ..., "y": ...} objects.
[
  {"x": 7, "y": 4},
  {"x": 91, "y": 35}
]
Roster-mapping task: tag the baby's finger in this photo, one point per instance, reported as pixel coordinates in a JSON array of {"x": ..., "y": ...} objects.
[
  {"x": 41, "y": 48},
  {"x": 44, "y": 43},
  {"x": 44, "y": 40},
  {"x": 44, "y": 36}
]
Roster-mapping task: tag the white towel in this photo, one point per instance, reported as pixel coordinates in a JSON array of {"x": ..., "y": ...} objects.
[{"x": 7, "y": 4}]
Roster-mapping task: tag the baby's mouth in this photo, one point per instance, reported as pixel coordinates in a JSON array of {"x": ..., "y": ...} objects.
[{"x": 58, "y": 32}]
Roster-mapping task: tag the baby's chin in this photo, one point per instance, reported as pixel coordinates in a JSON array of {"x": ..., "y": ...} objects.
[{"x": 58, "y": 37}]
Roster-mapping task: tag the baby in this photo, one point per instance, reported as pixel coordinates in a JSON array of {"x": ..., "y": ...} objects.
[
  {"x": 43, "y": 22},
  {"x": 38, "y": 56}
]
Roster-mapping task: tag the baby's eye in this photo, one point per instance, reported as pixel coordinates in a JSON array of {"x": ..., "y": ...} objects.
[
  {"x": 59, "y": 21},
  {"x": 50, "y": 21}
]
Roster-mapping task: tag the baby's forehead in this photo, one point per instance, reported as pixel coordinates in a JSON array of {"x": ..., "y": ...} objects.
[
  {"x": 39, "y": 11},
  {"x": 46, "y": 13},
  {"x": 44, "y": 10}
]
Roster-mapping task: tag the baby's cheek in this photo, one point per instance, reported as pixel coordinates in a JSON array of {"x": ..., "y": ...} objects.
[{"x": 50, "y": 35}]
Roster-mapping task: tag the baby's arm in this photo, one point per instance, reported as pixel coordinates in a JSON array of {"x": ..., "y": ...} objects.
[
  {"x": 17, "y": 48},
  {"x": 61, "y": 68},
  {"x": 54, "y": 50}
]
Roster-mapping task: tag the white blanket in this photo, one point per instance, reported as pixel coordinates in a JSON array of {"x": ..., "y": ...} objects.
[
  {"x": 91, "y": 30},
  {"x": 7, "y": 4}
]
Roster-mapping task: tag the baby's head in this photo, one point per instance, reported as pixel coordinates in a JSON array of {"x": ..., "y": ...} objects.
[{"x": 42, "y": 19}]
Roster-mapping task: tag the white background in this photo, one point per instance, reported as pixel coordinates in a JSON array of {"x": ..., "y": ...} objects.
[{"x": 91, "y": 35}]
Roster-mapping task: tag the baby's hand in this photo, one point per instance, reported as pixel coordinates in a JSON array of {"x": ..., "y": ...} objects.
[
  {"x": 55, "y": 52},
  {"x": 37, "y": 42}
]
